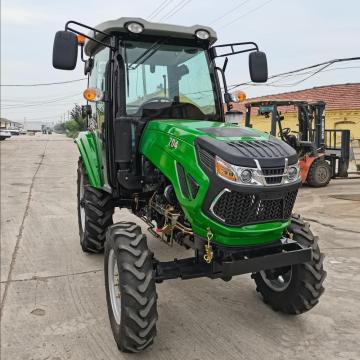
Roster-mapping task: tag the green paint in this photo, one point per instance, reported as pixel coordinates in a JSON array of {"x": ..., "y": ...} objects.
[
  {"x": 90, "y": 151},
  {"x": 155, "y": 146}
]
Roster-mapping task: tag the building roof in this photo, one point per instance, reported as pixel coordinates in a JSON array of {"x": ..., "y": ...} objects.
[{"x": 336, "y": 97}]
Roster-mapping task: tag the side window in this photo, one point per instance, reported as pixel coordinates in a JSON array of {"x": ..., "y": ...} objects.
[{"x": 97, "y": 80}]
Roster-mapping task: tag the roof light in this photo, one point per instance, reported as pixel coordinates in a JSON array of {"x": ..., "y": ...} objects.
[
  {"x": 202, "y": 34},
  {"x": 135, "y": 27}
]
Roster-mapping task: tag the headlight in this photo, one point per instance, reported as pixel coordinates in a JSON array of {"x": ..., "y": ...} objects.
[
  {"x": 246, "y": 176},
  {"x": 135, "y": 27},
  {"x": 236, "y": 174},
  {"x": 202, "y": 34},
  {"x": 224, "y": 170},
  {"x": 293, "y": 172},
  {"x": 255, "y": 176}
]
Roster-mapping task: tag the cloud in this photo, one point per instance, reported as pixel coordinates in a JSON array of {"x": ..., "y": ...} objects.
[{"x": 22, "y": 16}]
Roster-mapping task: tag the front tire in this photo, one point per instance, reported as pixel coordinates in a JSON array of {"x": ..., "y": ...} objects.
[
  {"x": 95, "y": 211},
  {"x": 297, "y": 288},
  {"x": 130, "y": 287}
]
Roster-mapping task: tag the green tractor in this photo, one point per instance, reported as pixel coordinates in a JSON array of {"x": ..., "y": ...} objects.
[{"x": 160, "y": 144}]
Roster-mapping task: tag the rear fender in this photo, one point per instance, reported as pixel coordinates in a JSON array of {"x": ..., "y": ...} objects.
[{"x": 87, "y": 144}]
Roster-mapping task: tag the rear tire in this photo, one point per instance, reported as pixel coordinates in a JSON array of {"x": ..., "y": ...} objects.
[
  {"x": 302, "y": 285},
  {"x": 95, "y": 211},
  {"x": 320, "y": 173},
  {"x": 131, "y": 296}
]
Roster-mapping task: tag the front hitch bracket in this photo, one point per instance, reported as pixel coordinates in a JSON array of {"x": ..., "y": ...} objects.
[{"x": 289, "y": 253}]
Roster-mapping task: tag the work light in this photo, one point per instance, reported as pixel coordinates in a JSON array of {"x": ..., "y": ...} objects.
[
  {"x": 202, "y": 34},
  {"x": 135, "y": 27}
]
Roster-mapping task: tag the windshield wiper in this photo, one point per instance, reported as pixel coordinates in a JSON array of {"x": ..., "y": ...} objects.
[{"x": 146, "y": 54}]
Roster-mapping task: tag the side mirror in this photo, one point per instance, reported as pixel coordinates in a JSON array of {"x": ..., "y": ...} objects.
[
  {"x": 258, "y": 67},
  {"x": 65, "y": 50}
]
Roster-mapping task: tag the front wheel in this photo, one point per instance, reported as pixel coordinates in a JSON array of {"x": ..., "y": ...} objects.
[
  {"x": 297, "y": 288},
  {"x": 130, "y": 287},
  {"x": 95, "y": 211}
]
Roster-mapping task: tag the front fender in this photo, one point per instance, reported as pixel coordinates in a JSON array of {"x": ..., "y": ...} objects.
[{"x": 86, "y": 142}]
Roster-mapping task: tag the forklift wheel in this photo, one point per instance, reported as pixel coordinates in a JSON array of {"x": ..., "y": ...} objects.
[
  {"x": 319, "y": 174},
  {"x": 130, "y": 287}
]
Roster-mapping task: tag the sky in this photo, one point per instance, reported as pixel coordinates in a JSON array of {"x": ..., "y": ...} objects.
[{"x": 293, "y": 33}]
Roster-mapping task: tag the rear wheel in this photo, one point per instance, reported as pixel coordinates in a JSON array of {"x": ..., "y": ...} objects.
[
  {"x": 297, "y": 288},
  {"x": 130, "y": 287},
  {"x": 319, "y": 174},
  {"x": 95, "y": 211}
]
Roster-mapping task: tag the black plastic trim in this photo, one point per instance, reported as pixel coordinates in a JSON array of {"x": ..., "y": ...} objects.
[{"x": 182, "y": 180}]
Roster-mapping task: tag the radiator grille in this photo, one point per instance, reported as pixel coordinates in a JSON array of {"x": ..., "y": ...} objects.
[
  {"x": 236, "y": 208},
  {"x": 273, "y": 175}
]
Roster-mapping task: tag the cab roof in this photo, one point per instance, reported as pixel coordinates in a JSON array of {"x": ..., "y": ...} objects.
[{"x": 150, "y": 28}]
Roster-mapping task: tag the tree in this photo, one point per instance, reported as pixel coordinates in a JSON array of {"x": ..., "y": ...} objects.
[{"x": 76, "y": 113}]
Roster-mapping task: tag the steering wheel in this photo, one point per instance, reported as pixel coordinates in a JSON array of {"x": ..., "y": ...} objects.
[
  {"x": 285, "y": 132},
  {"x": 158, "y": 99}
]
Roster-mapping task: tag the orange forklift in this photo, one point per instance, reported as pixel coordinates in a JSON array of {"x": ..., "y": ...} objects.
[{"x": 323, "y": 153}]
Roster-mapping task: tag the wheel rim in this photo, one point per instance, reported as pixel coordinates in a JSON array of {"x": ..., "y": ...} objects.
[
  {"x": 280, "y": 283},
  {"x": 114, "y": 288},
  {"x": 82, "y": 207},
  {"x": 322, "y": 174}
]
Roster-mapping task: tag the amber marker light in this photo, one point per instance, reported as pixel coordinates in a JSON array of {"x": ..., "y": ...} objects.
[
  {"x": 91, "y": 94},
  {"x": 241, "y": 96},
  {"x": 223, "y": 170},
  {"x": 80, "y": 39}
]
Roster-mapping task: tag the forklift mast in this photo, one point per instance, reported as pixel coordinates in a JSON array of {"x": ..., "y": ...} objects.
[{"x": 317, "y": 123}]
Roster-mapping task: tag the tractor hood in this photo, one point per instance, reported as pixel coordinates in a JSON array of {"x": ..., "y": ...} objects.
[{"x": 235, "y": 144}]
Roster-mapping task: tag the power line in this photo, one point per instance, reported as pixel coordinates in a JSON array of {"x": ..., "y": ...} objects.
[
  {"x": 175, "y": 9},
  {"x": 40, "y": 103},
  {"x": 160, "y": 8},
  {"x": 247, "y": 13},
  {"x": 45, "y": 84},
  {"x": 29, "y": 102},
  {"x": 231, "y": 11},
  {"x": 323, "y": 65}
]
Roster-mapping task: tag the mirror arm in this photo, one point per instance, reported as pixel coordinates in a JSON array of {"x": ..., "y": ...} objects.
[
  {"x": 68, "y": 28},
  {"x": 82, "y": 53},
  {"x": 226, "y": 94},
  {"x": 225, "y": 64},
  {"x": 214, "y": 54}
]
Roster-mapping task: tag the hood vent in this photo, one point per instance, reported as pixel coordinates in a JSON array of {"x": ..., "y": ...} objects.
[{"x": 259, "y": 148}]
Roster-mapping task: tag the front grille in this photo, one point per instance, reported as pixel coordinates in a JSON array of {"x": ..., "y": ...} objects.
[
  {"x": 273, "y": 175},
  {"x": 260, "y": 148},
  {"x": 236, "y": 208}
]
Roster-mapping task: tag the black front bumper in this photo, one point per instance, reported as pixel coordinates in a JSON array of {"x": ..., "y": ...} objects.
[{"x": 288, "y": 253}]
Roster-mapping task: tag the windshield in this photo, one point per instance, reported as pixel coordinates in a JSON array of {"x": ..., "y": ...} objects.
[{"x": 168, "y": 80}]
